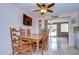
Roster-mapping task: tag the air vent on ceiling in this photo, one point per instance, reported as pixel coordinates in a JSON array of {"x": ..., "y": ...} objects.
[{"x": 54, "y": 16}]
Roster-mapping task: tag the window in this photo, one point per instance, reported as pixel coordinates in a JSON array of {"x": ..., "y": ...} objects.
[{"x": 64, "y": 27}]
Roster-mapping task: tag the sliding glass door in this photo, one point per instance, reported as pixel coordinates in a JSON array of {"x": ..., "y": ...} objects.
[{"x": 52, "y": 29}]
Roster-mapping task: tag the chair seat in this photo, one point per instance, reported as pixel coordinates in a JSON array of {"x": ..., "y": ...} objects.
[
  {"x": 25, "y": 46},
  {"x": 22, "y": 48}
]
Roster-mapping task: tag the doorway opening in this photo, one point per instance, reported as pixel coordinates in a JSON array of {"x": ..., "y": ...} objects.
[
  {"x": 58, "y": 33},
  {"x": 52, "y": 30}
]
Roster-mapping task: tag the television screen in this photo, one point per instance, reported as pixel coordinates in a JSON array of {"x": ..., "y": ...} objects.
[{"x": 27, "y": 20}]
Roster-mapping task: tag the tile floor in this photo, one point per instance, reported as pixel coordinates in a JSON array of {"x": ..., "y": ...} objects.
[{"x": 58, "y": 46}]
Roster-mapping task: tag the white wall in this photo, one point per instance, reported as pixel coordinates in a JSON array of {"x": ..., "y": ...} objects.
[
  {"x": 9, "y": 16},
  {"x": 35, "y": 26}
]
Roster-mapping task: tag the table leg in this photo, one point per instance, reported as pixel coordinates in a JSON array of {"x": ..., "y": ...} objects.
[{"x": 37, "y": 47}]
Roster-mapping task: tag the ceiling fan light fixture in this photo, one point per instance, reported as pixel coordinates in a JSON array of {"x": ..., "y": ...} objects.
[{"x": 43, "y": 10}]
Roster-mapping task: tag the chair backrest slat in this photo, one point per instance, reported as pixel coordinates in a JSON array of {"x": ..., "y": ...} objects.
[
  {"x": 15, "y": 39},
  {"x": 28, "y": 32},
  {"x": 22, "y": 32}
]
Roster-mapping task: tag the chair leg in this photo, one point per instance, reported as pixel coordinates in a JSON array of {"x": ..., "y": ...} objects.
[{"x": 31, "y": 48}]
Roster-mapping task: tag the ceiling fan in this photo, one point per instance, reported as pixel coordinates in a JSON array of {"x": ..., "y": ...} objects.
[{"x": 43, "y": 8}]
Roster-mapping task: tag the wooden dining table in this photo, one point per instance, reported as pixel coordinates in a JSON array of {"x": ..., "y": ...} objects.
[{"x": 35, "y": 38}]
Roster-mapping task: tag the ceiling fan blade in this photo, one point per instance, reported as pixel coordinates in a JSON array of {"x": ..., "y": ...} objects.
[
  {"x": 43, "y": 5},
  {"x": 35, "y": 10},
  {"x": 49, "y": 10},
  {"x": 50, "y": 5},
  {"x": 38, "y": 5}
]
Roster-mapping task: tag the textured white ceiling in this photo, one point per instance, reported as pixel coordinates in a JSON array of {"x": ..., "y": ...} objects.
[{"x": 58, "y": 8}]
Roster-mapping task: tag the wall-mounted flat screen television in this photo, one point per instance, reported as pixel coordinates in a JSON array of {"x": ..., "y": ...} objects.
[{"x": 27, "y": 20}]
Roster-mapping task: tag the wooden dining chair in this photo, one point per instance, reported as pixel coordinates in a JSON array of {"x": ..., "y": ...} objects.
[
  {"x": 44, "y": 42},
  {"x": 46, "y": 38},
  {"x": 22, "y": 32},
  {"x": 15, "y": 40},
  {"x": 25, "y": 42}
]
